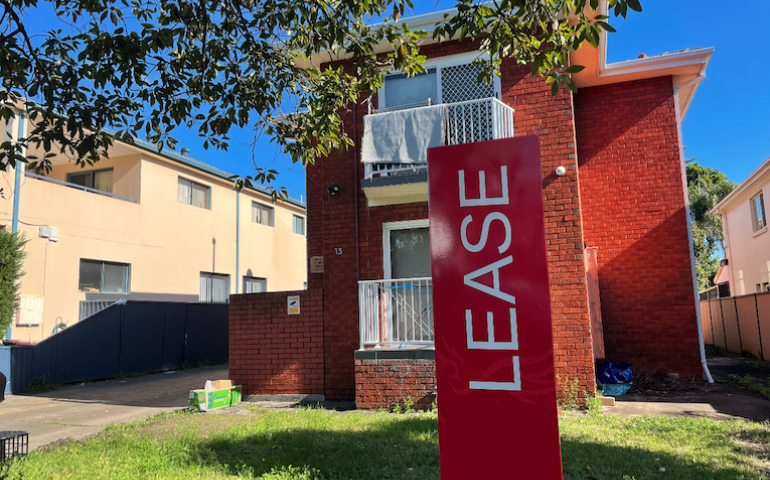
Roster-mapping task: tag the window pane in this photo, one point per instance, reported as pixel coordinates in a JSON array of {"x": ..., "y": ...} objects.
[
  {"x": 402, "y": 90},
  {"x": 90, "y": 276},
  {"x": 200, "y": 195},
  {"x": 299, "y": 225},
  {"x": 205, "y": 295},
  {"x": 220, "y": 288},
  {"x": 103, "y": 181},
  {"x": 82, "y": 179},
  {"x": 8, "y": 134},
  {"x": 267, "y": 216},
  {"x": 115, "y": 278},
  {"x": 256, "y": 212},
  {"x": 410, "y": 253},
  {"x": 184, "y": 191},
  {"x": 254, "y": 285}
]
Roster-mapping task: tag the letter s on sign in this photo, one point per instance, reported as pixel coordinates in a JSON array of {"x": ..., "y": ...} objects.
[{"x": 485, "y": 232}]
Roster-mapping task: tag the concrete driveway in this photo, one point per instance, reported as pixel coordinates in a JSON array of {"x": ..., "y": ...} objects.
[{"x": 82, "y": 410}]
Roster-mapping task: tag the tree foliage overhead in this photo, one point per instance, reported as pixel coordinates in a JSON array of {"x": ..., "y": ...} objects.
[
  {"x": 706, "y": 187},
  {"x": 143, "y": 68}
]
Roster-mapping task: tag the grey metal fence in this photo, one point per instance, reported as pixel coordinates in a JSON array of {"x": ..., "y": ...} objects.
[{"x": 128, "y": 338}]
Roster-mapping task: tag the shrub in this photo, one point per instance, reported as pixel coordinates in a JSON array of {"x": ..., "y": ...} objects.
[{"x": 11, "y": 261}]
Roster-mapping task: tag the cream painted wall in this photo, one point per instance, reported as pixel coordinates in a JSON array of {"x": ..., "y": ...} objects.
[
  {"x": 167, "y": 243},
  {"x": 748, "y": 252}
]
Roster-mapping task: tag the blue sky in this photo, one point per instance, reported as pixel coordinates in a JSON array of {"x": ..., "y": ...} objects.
[{"x": 727, "y": 126}]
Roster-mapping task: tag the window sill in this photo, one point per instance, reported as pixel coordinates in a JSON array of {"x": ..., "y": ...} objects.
[{"x": 759, "y": 232}]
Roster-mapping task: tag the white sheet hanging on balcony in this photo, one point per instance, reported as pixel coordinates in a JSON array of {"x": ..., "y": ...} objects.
[{"x": 402, "y": 136}]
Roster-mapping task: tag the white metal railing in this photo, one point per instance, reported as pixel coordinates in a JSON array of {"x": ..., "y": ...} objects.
[
  {"x": 464, "y": 122},
  {"x": 79, "y": 187},
  {"x": 396, "y": 312},
  {"x": 91, "y": 307}
]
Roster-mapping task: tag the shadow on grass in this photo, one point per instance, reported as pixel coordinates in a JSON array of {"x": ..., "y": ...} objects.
[
  {"x": 408, "y": 449},
  {"x": 593, "y": 461}
]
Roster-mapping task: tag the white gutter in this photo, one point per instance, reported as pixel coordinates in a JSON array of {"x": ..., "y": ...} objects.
[{"x": 696, "y": 297}]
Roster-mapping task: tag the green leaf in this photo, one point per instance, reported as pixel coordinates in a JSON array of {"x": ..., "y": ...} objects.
[
  {"x": 574, "y": 69},
  {"x": 634, "y": 5}
]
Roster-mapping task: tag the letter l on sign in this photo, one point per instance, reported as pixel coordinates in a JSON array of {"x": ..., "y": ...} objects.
[{"x": 492, "y": 313}]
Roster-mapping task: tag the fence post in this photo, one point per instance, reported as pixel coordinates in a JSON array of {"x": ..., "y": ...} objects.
[
  {"x": 711, "y": 321},
  {"x": 738, "y": 323},
  {"x": 120, "y": 342},
  {"x": 724, "y": 330},
  {"x": 759, "y": 329}
]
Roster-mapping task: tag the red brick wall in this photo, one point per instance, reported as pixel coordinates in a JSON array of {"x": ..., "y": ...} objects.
[
  {"x": 332, "y": 225},
  {"x": 634, "y": 211},
  {"x": 273, "y": 353},
  {"x": 537, "y": 112},
  {"x": 385, "y": 383}
]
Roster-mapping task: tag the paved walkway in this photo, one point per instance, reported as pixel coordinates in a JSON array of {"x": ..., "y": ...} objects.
[{"x": 82, "y": 410}]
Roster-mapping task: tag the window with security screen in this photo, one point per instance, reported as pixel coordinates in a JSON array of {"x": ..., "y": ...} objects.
[
  {"x": 758, "y": 218},
  {"x": 447, "y": 81}
]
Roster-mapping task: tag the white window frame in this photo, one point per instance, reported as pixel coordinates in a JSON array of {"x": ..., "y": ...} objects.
[
  {"x": 247, "y": 278},
  {"x": 443, "y": 62},
  {"x": 262, "y": 206},
  {"x": 304, "y": 224},
  {"x": 389, "y": 227},
  {"x": 755, "y": 216},
  {"x": 212, "y": 276},
  {"x": 193, "y": 182},
  {"x": 103, "y": 263}
]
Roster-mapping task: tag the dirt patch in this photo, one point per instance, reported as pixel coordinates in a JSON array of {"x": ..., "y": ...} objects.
[
  {"x": 661, "y": 384},
  {"x": 202, "y": 424}
]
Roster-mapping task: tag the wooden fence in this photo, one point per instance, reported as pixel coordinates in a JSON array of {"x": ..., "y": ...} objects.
[{"x": 738, "y": 324}]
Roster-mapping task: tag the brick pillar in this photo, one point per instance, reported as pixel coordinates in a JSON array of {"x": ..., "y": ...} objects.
[{"x": 538, "y": 112}]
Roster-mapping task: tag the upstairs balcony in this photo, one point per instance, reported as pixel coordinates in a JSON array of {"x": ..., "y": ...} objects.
[{"x": 394, "y": 150}]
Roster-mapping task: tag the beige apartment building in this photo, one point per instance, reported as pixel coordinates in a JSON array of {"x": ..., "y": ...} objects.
[
  {"x": 145, "y": 226},
  {"x": 747, "y": 243}
]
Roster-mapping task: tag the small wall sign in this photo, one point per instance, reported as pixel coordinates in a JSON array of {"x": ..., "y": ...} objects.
[
  {"x": 293, "y": 305},
  {"x": 317, "y": 264}
]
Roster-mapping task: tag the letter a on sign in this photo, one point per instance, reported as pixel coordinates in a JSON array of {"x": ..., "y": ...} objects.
[{"x": 492, "y": 313}]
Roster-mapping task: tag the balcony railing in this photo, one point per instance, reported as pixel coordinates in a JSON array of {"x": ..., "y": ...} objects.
[
  {"x": 79, "y": 187},
  {"x": 464, "y": 122},
  {"x": 396, "y": 313}
]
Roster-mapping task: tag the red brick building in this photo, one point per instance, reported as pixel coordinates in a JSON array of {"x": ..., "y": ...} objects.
[{"x": 364, "y": 332}]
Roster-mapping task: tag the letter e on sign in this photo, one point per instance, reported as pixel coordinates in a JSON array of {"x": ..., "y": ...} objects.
[
  {"x": 293, "y": 304},
  {"x": 495, "y": 370}
]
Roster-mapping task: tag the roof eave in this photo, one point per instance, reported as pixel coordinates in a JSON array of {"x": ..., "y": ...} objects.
[{"x": 740, "y": 189}]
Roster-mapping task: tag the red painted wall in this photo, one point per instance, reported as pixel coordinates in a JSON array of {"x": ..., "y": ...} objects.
[
  {"x": 273, "y": 353},
  {"x": 634, "y": 211}
]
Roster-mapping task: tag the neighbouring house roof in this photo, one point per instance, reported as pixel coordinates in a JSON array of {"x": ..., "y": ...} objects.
[
  {"x": 723, "y": 275},
  {"x": 197, "y": 164},
  {"x": 687, "y": 67},
  {"x": 756, "y": 175}
]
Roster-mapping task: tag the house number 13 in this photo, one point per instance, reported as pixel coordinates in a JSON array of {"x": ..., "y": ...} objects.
[{"x": 338, "y": 251}]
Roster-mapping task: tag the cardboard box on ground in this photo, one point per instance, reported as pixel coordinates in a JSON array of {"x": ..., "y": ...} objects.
[{"x": 215, "y": 394}]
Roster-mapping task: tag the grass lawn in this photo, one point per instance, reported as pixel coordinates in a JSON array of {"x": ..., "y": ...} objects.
[{"x": 317, "y": 444}]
